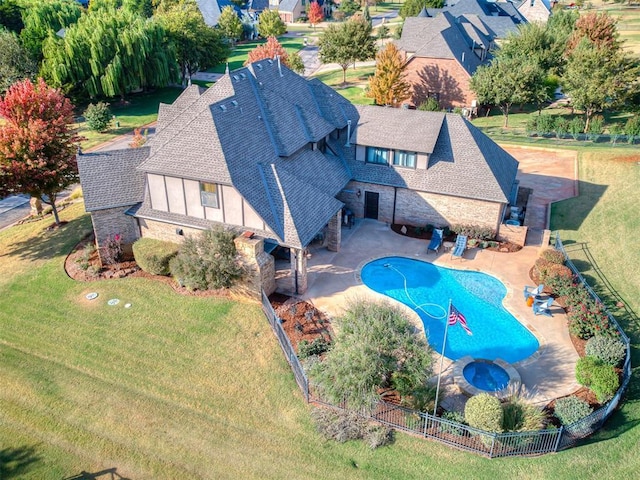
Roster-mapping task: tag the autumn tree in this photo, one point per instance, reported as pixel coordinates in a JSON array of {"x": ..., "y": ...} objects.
[
  {"x": 597, "y": 27},
  {"x": 315, "y": 14},
  {"x": 15, "y": 61},
  {"x": 347, "y": 43},
  {"x": 270, "y": 24},
  {"x": 271, "y": 49},
  {"x": 196, "y": 45},
  {"x": 37, "y": 145},
  {"x": 389, "y": 86},
  {"x": 110, "y": 52},
  {"x": 230, "y": 24}
]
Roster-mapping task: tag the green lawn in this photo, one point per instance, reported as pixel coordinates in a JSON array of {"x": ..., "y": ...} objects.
[
  {"x": 355, "y": 88},
  {"x": 139, "y": 109},
  {"x": 192, "y": 387},
  {"x": 240, "y": 52}
]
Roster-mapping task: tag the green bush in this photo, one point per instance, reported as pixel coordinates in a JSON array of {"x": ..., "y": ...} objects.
[
  {"x": 589, "y": 318},
  {"x": 521, "y": 416},
  {"x": 474, "y": 231},
  {"x": 308, "y": 349},
  {"x": 576, "y": 127},
  {"x": 153, "y": 256},
  {"x": 610, "y": 350},
  {"x": 596, "y": 125},
  {"x": 601, "y": 378},
  {"x": 553, "y": 256},
  {"x": 456, "y": 417},
  {"x": 540, "y": 267},
  {"x": 484, "y": 411},
  {"x": 430, "y": 105},
  {"x": 98, "y": 116},
  {"x": 560, "y": 286},
  {"x": 571, "y": 409},
  {"x": 561, "y": 126},
  {"x": 207, "y": 261},
  {"x": 553, "y": 271},
  {"x": 545, "y": 123},
  {"x": 632, "y": 128}
]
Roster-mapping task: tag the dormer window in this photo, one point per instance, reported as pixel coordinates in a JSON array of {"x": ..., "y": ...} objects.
[
  {"x": 379, "y": 156},
  {"x": 402, "y": 158},
  {"x": 209, "y": 194}
]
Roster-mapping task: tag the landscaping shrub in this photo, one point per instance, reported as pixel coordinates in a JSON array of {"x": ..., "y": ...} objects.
[
  {"x": 576, "y": 295},
  {"x": 98, "y": 116},
  {"x": 153, "y": 256},
  {"x": 545, "y": 123},
  {"x": 561, "y": 286},
  {"x": 207, "y": 261},
  {"x": 317, "y": 347},
  {"x": 474, "y": 231},
  {"x": 430, "y": 105},
  {"x": 553, "y": 256},
  {"x": 632, "y": 128},
  {"x": 521, "y": 416},
  {"x": 456, "y": 417},
  {"x": 540, "y": 267},
  {"x": 608, "y": 349},
  {"x": 87, "y": 251},
  {"x": 484, "y": 411},
  {"x": 378, "y": 436},
  {"x": 576, "y": 127},
  {"x": 561, "y": 126},
  {"x": 596, "y": 127},
  {"x": 599, "y": 377},
  {"x": 345, "y": 425},
  {"x": 588, "y": 319},
  {"x": 571, "y": 409},
  {"x": 553, "y": 271}
]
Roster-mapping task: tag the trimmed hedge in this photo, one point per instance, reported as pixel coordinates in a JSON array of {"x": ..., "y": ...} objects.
[
  {"x": 571, "y": 409},
  {"x": 484, "y": 411},
  {"x": 153, "y": 256},
  {"x": 610, "y": 350},
  {"x": 599, "y": 377}
]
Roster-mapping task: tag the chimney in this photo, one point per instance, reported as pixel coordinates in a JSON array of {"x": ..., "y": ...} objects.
[{"x": 348, "y": 144}]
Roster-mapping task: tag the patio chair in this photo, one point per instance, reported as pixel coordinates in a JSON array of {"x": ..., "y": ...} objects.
[
  {"x": 534, "y": 292},
  {"x": 436, "y": 240},
  {"x": 460, "y": 246},
  {"x": 542, "y": 307}
]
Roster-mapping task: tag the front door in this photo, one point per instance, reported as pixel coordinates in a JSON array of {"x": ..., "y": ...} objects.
[{"x": 371, "y": 205}]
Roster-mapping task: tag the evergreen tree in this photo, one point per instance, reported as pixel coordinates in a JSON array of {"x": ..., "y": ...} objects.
[
  {"x": 11, "y": 16},
  {"x": 411, "y": 8},
  {"x": 388, "y": 85},
  {"x": 15, "y": 61}
]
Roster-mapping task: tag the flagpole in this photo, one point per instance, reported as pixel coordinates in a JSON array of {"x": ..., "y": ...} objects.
[{"x": 444, "y": 345}]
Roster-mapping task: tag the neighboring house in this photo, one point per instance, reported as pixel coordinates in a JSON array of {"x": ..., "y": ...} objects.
[
  {"x": 268, "y": 151},
  {"x": 292, "y": 10},
  {"x": 535, "y": 10},
  {"x": 211, "y": 10},
  {"x": 444, "y": 46}
]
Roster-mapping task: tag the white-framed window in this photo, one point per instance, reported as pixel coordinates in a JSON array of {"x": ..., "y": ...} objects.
[
  {"x": 209, "y": 195},
  {"x": 377, "y": 155},
  {"x": 402, "y": 158}
]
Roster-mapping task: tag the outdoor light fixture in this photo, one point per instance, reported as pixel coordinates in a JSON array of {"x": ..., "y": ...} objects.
[{"x": 358, "y": 193}]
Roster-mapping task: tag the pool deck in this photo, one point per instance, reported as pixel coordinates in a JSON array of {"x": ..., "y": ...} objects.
[{"x": 552, "y": 175}]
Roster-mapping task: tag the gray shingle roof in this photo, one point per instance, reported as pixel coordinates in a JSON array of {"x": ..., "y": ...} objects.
[
  {"x": 464, "y": 162},
  {"x": 410, "y": 130},
  {"x": 211, "y": 9},
  {"x": 287, "y": 5},
  {"x": 110, "y": 179}
]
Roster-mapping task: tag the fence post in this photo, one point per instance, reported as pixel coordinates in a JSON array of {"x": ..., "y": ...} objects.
[{"x": 561, "y": 432}]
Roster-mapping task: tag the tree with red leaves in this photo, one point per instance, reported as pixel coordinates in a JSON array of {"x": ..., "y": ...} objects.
[
  {"x": 599, "y": 28},
  {"x": 37, "y": 144},
  {"x": 315, "y": 14},
  {"x": 272, "y": 49}
]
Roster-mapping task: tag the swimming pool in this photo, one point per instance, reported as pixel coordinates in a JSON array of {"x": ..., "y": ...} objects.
[{"x": 427, "y": 288}]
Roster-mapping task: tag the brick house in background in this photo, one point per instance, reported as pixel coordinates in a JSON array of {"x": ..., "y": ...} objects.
[
  {"x": 268, "y": 151},
  {"x": 445, "y": 46}
]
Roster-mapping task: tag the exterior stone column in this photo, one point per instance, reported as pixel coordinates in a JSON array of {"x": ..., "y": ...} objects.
[
  {"x": 261, "y": 271},
  {"x": 334, "y": 232},
  {"x": 298, "y": 271}
]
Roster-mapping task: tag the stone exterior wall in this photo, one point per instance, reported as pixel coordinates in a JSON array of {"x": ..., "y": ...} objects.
[
  {"x": 512, "y": 233},
  {"x": 441, "y": 76},
  {"x": 260, "y": 268},
  {"x": 420, "y": 208},
  {"x": 113, "y": 221},
  {"x": 165, "y": 231}
]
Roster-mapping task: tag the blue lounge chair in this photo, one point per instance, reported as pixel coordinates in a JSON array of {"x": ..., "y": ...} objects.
[
  {"x": 542, "y": 307},
  {"x": 533, "y": 292},
  {"x": 436, "y": 240},
  {"x": 460, "y": 246}
]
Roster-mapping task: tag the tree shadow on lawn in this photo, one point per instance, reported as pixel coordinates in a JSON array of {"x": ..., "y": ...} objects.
[
  {"x": 50, "y": 242},
  {"x": 15, "y": 462},
  {"x": 111, "y": 472}
]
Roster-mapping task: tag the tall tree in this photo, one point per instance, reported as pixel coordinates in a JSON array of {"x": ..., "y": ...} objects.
[
  {"x": 37, "y": 145},
  {"x": 11, "y": 16},
  {"x": 597, "y": 78},
  {"x": 230, "y": 24},
  {"x": 347, "y": 43},
  {"x": 110, "y": 52},
  {"x": 315, "y": 14},
  {"x": 270, "y": 24},
  {"x": 411, "y": 8},
  {"x": 15, "y": 61},
  {"x": 599, "y": 28},
  {"x": 196, "y": 45},
  {"x": 273, "y": 49},
  {"x": 508, "y": 81},
  {"x": 388, "y": 86},
  {"x": 43, "y": 18}
]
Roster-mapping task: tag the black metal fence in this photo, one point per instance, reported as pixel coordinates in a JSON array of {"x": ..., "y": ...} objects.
[{"x": 455, "y": 434}]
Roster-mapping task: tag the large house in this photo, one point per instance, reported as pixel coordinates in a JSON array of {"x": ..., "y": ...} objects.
[
  {"x": 445, "y": 46},
  {"x": 268, "y": 151}
]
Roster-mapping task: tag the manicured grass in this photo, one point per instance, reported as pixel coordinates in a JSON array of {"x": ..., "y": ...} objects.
[
  {"x": 241, "y": 51},
  {"x": 191, "y": 387},
  {"x": 139, "y": 109},
  {"x": 355, "y": 88}
]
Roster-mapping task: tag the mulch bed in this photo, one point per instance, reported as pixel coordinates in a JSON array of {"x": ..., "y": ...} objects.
[{"x": 421, "y": 233}]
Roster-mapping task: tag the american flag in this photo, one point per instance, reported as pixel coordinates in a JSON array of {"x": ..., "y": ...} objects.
[{"x": 456, "y": 317}]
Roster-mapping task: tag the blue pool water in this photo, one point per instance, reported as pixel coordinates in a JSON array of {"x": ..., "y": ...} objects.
[
  {"x": 427, "y": 289},
  {"x": 486, "y": 376}
]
